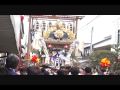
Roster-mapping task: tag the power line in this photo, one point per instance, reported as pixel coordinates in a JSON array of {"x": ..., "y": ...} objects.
[{"x": 90, "y": 21}]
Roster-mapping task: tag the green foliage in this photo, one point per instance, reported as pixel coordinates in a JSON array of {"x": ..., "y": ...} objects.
[
  {"x": 96, "y": 56},
  {"x": 73, "y": 55},
  {"x": 116, "y": 47},
  {"x": 115, "y": 66}
]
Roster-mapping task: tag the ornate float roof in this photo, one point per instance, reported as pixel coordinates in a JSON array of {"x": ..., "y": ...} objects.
[
  {"x": 71, "y": 34},
  {"x": 67, "y": 17},
  {"x": 52, "y": 41}
]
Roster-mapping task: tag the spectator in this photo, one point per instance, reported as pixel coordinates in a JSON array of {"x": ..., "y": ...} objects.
[
  {"x": 88, "y": 71},
  {"x": 95, "y": 72},
  {"x": 3, "y": 71},
  {"x": 111, "y": 73},
  {"x": 43, "y": 71},
  {"x": 74, "y": 71},
  {"x": 33, "y": 70},
  {"x": 62, "y": 67},
  {"x": 60, "y": 72},
  {"x": 82, "y": 72},
  {"x": 102, "y": 71},
  {"x": 23, "y": 71},
  {"x": 2, "y": 68},
  {"x": 11, "y": 64},
  {"x": 117, "y": 72},
  {"x": 67, "y": 70}
]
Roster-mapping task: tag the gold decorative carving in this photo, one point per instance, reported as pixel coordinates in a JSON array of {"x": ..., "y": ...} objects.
[{"x": 59, "y": 30}]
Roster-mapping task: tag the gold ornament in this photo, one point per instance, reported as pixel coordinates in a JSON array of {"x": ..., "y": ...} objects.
[
  {"x": 59, "y": 34},
  {"x": 71, "y": 35},
  {"x": 46, "y": 34},
  {"x": 59, "y": 24},
  {"x": 38, "y": 60},
  {"x": 59, "y": 30}
]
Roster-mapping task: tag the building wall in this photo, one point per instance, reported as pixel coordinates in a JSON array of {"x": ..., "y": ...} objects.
[
  {"x": 16, "y": 21},
  {"x": 103, "y": 26},
  {"x": 102, "y": 44},
  {"x": 26, "y": 30},
  {"x": 16, "y": 24}
]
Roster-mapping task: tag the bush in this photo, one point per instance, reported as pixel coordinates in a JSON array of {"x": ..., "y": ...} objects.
[
  {"x": 96, "y": 56},
  {"x": 115, "y": 66}
]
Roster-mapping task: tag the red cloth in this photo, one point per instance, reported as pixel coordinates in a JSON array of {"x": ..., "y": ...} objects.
[{"x": 22, "y": 17}]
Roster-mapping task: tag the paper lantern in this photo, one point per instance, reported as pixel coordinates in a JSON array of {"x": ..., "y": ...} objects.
[
  {"x": 49, "y": 45},
  {"x": 34, "y": 58},
  {"x": 105, "y": 62},
  {"x": 66, "y": 46}
]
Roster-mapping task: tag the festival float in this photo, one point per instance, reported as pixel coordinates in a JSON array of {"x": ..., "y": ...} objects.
[{"x": 51, "y": 37}]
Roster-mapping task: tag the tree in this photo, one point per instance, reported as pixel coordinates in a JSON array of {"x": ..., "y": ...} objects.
[
  {"x": 116, "y": 47},
  {"x": 116, "y": 64},
  {"x": 74, "y": 59},
  {"x": 96, "y": 56}
]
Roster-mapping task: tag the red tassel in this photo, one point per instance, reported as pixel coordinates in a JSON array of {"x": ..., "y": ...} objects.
[{"x": 22, "y": 17}]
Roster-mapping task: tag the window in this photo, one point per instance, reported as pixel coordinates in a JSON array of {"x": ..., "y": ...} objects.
[
  {"x": 44, "y": 25},
  {"x": 37, "y": 25},
  {"x": 70, "y": 26},
  {"x": 50, "y": 24}
]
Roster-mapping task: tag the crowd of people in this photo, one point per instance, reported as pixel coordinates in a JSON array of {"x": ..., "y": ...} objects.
[{"x": 12, "y": 61}]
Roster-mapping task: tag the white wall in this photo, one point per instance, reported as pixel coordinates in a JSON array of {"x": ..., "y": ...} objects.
[
  {"x": 24, "y": 41},
  {"x": 26, "y": 30},
  {"x": 83, "y": 28},
  {"x": 104, "y": 25},
  {"x": 16, "y": 25},
  {"x": 16, "y": 21}
]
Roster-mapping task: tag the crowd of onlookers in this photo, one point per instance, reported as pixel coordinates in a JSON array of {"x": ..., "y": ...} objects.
[{"x": 12, "y": 61}]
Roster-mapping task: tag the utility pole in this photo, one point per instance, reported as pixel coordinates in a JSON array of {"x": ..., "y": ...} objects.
[
  {"x": 91, "y": 48},
  {"x": 118, "y": 26}
]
